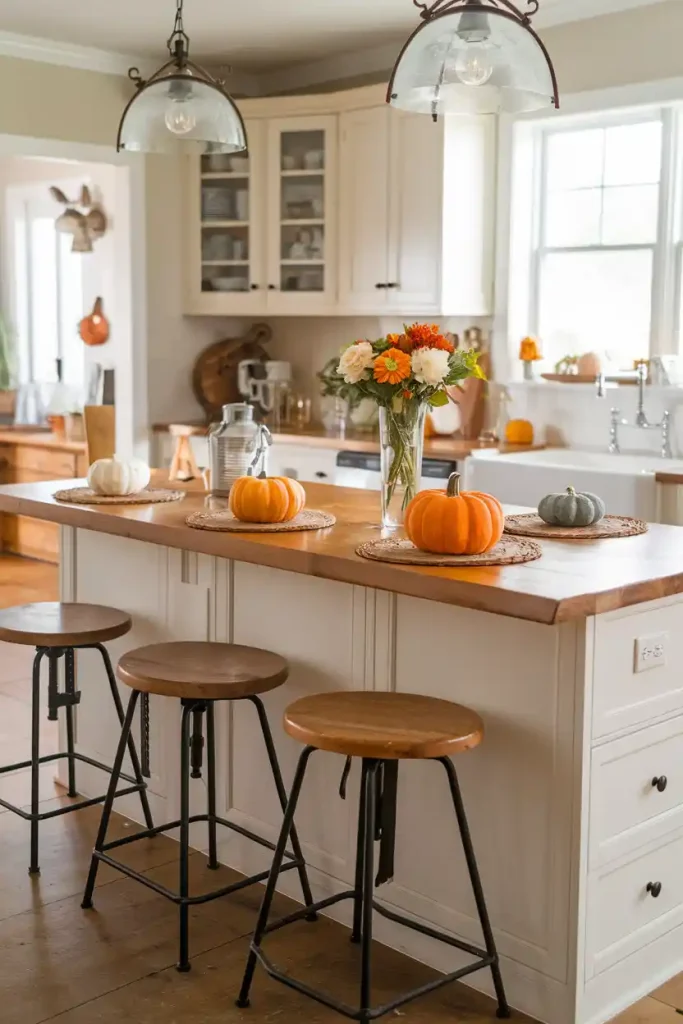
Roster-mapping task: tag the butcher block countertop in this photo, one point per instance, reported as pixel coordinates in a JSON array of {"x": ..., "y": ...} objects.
[
  {"x": 34, "y": 438},
  {"x": 573, "y": 579},
  {"x": 361, "y": 441}
]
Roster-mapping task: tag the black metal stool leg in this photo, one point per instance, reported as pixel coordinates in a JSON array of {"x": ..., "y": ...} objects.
[
  {"x": 34, "y": 866},
  {"x": 369, "y": 783},
  {"x": 132, "y": 750},
  {"x": 109, "y": 801},
  {"x": 356, "y": 930},
  {"x": 183, "y": 964},
  {"x": 282, "y": 794},
  {"x": 490, "y": 942},
  {"x": 262, "y": 922},
  {"x": 70, "y": 735},
  {"x": 211, "y": 784}
]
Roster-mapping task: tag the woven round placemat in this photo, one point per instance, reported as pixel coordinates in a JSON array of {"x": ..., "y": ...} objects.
[
  {"x": 509, "y": 551},
  {"x": 86, "y": 496},
  {"x": 225, "y": 522},
  {"x": 528, "y": 524}
]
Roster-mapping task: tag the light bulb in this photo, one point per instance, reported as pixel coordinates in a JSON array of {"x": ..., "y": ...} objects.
[
  {"x": 474, "y": 65},
  {"x": 179, "y": 117}
]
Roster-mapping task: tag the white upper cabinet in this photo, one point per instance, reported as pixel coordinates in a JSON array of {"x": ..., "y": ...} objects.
[
  {"x": 416, "y": 214},
  {"x": 344, "y": 206}
]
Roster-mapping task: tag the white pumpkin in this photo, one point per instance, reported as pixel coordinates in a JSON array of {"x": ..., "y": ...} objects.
[{"x": 118, "y": 477}]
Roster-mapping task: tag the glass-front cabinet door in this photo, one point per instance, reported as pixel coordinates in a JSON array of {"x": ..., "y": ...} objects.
[
  {"x": 228, "y": 268},
  {"x": 302, "y": 156}
]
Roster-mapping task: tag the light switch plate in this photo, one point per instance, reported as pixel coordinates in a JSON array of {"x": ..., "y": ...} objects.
[{"x": 650, "y": 652}]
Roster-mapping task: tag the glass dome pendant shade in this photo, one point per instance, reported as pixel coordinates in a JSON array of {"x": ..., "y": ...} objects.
[
  {"x": 473, "y": 57},
  {"x": 181, "y": 108}
]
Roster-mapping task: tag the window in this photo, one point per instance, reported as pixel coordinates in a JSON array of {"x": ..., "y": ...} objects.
[
  {"x": 45, "y": 283},
  {"x": 606, "y": 247}
]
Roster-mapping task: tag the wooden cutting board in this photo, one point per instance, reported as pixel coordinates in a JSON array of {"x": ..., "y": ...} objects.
[
  {"x": 472, "y": 401},
  {"x": 214, "y": 376}
]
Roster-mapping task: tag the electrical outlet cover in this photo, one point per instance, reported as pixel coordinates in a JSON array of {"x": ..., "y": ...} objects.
[{"x": 650, "y": 652}]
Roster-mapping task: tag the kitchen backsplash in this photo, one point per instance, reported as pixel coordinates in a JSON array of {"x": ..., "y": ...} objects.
[{"x": 572, "y": 415}]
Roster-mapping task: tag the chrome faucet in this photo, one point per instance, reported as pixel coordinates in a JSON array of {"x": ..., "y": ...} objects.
[{"x": 641, "y": 420}]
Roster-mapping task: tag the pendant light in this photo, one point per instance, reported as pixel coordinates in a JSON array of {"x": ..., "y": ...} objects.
[
  {"x": 473, "y": 57},
  {"x": 181, "y": 108}
]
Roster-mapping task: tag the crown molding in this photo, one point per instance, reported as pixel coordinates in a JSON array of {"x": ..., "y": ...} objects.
[{"x": 85, "y": 58}]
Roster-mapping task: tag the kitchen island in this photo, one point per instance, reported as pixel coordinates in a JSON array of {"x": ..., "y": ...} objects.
[{"x": 576, "y": 795}]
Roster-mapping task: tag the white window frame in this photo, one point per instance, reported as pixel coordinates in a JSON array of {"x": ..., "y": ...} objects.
[
  {"x": 29, "y": 199},
  {"x": 521, "y": 209}
]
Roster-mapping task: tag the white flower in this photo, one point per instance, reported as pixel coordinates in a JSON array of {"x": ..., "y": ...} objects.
[
  {"x": 355, "y": 362},
  {"x": 430, "y": 365}
]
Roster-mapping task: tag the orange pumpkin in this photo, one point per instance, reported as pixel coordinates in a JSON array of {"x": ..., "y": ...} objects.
[
  {"x": 519, "y": 432},
  {"x": 450, "y": 523},
  {"x": 273, "y": 499}
]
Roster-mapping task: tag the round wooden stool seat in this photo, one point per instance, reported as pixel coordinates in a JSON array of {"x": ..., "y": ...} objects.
[
  {"x": 53, "y": 624},
  {"x": 383, "y": 725},
  {"x": 202, "y": 670}
]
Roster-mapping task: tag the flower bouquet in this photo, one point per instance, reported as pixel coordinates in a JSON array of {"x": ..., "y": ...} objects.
[{"x": 404, "y": 374}]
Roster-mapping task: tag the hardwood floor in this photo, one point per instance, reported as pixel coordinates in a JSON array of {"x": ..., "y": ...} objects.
[{"x": 59, "y": 963}]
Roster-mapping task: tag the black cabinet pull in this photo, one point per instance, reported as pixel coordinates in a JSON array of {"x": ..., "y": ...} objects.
[
  {"x": 320, "y": 475},
  {"x": 660, "y": 782},
  {"x": 393, "y": 284},
  {"x": 654, "y": 889},
  {"x": 380, "y": 285},
  {"x": 254, "y": 287},
  {"x": 272, "y": 287}
]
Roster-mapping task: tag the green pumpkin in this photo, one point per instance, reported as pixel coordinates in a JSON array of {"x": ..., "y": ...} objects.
[{"x": 571, "y": 508}]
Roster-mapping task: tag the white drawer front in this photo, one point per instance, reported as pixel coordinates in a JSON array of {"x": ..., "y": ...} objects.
[
  {"x": 623, "y": 697},
  {"x": 622, "y": 915},
  {"x": 310, "y": 465},
  {"x": 627, "y": 809}
]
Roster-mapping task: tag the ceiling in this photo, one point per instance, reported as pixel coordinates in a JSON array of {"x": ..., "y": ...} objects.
[{"x": 253, "y": 35}]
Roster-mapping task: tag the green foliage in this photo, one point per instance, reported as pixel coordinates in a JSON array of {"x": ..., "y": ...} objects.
[{"x": 6, "y": 355}]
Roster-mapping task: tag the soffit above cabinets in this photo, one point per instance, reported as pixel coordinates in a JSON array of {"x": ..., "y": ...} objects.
[{"x": 258, "y": 36}]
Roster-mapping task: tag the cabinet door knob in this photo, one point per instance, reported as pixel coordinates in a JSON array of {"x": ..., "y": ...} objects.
[
  {"x": 380, "y": 285},
  {"x": 272, "y": 287},
  {"x": 254, "y": 287},
  {"x": 654, "y": 889},
  {"x": 660, "y": 783},
  {"x": 393, "y": 284},
  {"x": 320, "y": 475}
]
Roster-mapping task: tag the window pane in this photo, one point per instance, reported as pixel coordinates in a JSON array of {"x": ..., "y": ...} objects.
[
  {"x": 71, "y": 310},
  {"x": 633, "y": 154},
  {"x": 630, "y": 215},
  {"x": 44, "y": 298},
  {"x": 573, "y": 218},
  {"x": 575, "y": 159},
  {"x": 596, "y": 302}
]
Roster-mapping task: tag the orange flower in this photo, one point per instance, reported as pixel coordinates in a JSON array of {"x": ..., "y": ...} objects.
[
  {"x": 429, "y": 336},
  {"x": 392, "y": 366},
  {"x": 407, "y": 394}
]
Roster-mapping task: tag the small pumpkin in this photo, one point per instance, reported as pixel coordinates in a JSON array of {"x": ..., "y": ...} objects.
[
  {"x": 453, "y": 523},
  {"x": 118, "y": 477},
  {"x": 273, "y": 499},
  {"x": 519, "y": 432},
  {"x": 571, "y": 508}
]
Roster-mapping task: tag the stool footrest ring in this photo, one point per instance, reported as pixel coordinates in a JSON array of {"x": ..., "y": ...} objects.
[
  {"x": 483, "y": 961},
  {"x": 103, "y": 856}
]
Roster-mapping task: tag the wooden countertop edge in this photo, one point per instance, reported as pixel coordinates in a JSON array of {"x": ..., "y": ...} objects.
[
  {"x": 40, "y": 439},
  {"x": 669, "y": 478},
  {"x": 395, "y": 579}
]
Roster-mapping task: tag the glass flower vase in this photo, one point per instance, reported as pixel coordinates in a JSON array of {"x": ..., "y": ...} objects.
[{"x": 401, "y": 440}]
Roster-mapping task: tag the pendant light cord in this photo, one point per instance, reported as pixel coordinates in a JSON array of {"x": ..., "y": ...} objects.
[{"x": 178, "y": 42}]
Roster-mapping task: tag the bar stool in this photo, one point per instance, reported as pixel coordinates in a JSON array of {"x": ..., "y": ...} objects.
[
  {"x": 57, "y": 630},
  {"x": 380, "y": 728},
  {"x": 198, "y": 674}
]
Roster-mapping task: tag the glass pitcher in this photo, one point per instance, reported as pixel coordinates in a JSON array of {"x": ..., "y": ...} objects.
[{"x": 237, "y": 447}]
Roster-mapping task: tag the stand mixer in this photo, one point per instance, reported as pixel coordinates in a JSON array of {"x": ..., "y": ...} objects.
[{"x": 267, "y": 385}]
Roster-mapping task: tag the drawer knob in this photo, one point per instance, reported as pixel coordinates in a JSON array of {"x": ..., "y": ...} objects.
[
  {"x": 654, "y": 889},
  {"x": 320, "y": 475},
  {"x": 660, "y": 783}
]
